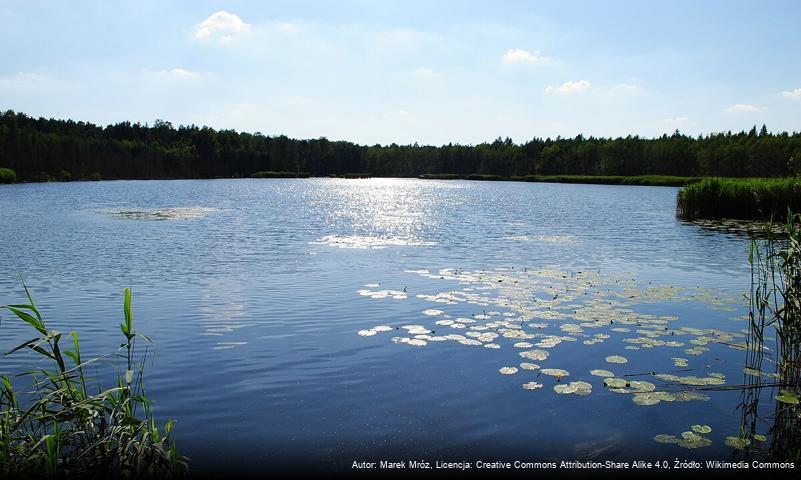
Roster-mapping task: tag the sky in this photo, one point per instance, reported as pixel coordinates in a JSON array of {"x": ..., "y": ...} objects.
[{"x": 432, "y": 72}]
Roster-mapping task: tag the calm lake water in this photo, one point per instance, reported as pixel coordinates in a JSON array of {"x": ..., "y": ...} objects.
[{"x": 254, "y": 293}]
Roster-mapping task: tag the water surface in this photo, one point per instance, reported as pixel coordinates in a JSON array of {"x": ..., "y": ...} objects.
[{"x": 250, "y": 290}]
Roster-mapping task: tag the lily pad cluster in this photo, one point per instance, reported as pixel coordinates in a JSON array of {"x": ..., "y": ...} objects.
[{"x": 693, "y": 438}]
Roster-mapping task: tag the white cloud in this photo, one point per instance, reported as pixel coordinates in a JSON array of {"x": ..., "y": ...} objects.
[
  {"x": 180, "y": 73},
  {"x": 423, "y": 72},
  {"x": 569, "y": 87},
  {"x": 222, "y": 25},
  {"x": 675, "y": 120},
  {"x": 794, "y": 94},
  {"x": 629, "y": 87},
  {"x": 518, "y": 55},
  {"x": 742, "y": 108}
]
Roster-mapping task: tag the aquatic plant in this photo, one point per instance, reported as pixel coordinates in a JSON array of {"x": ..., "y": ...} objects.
[
  {"x": 63, "y": 425},
  {"x": 775, "y": 309},
  {"x": 742, "y": 198},
  {"x": 8, "y": 175}
]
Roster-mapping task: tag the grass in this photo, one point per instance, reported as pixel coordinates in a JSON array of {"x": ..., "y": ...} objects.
[
  {"x": 270, "y": 174},
  {"x": 650, "y": 180},
  {"x": 774, "y": 341},
  {"x": 65, "y": 424},
  {"x": 8, "y": 176},
  {"x": 740, "y": 198}
]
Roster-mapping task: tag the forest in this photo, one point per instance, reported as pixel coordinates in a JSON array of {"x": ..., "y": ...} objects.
[{"x": 40, "y": 149}]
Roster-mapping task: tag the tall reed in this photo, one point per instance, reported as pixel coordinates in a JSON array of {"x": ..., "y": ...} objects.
[
  {"x": 774, "y": 339},
  {"x": 61, "y": 425}
]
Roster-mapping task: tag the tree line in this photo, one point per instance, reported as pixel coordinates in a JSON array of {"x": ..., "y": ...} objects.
[{"x": 40, "y": 149}]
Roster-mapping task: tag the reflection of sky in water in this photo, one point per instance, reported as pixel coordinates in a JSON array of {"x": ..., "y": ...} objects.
[{"x": 252, "y": 304}]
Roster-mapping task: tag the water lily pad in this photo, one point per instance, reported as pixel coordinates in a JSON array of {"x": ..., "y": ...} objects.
[
  {"x": 366, "y": 333},
  {"x": 508, "y": 370},
  {"x": 788, "y": 397},
  {"x": 534, "y": 354},
  {"x": 532, "y": 385},
  {"x": 664, "y": 438},
  {"x": 701, "y": 428},
  {"x": 760, "y": 438},
  {"x": 602, "y": 373},
  {"x": 642, "y": 386},
  {"x": 646, "y": 399},
  {"x": 555, "y": 372},
  {"x": 616, "y": 359},
  {"x": 529, "y": 366},
  {"x": 739, "y": 443},
  {"x": 564, "y": 388}
]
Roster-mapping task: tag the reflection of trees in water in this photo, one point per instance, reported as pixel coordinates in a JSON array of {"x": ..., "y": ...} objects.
[{"x": 775, "y": 309}]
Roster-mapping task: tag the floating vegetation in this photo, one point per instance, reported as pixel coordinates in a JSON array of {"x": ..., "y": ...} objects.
[
  {"x": 534, "y": 354},
  {"x": 788, "y": 397},
  {"x": 701, "y": 428},
  {"x": 538, "y": 312},
  {"x": 396, "y": 294},
  {"x": 689, "y": 439},
  {"x": 738, "y": 443},
  {"x": 367, "y": 242},
  {"x": 169, "y": 213},
  {"x": 578, "y": 388},
  {"x": 692, "y": 379}
]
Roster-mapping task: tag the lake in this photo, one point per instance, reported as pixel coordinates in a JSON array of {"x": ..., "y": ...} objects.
[{"x": 261, "y": 298}]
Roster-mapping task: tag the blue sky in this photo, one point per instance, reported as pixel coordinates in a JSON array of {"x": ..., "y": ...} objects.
[{"x": 428, "y": 72}]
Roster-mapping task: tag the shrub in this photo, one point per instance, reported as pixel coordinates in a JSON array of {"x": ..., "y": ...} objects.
[{"x": 8, "y": 176}]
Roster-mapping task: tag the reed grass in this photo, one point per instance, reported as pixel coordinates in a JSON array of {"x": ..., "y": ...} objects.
[
  {"x": 60, "y": 425},
  {"x": 740, "y": 198},
  {"x": 773, "y": 341}
]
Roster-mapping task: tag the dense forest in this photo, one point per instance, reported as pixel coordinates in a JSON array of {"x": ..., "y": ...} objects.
[{"x": 40, "y": 149}]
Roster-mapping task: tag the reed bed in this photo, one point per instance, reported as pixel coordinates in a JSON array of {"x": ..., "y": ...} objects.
[
  {"x": 64, "y": 423},
  {"x": 740, "y": 198}
]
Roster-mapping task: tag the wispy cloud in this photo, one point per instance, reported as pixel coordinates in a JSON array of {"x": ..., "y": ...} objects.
[
  {"x": 518, "y": 55},
  {"x": 569, "y": 87},
  {"x": 794, "y": 94},
  {"x": 222, "y": 26},
  {"x": 627, "y": 87},
  {"x": 742, "y": 108},
  {"x": 180, "y": 73},
  {"x": 423, "y": 72},
  {"x": 675, "y": 120}
]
